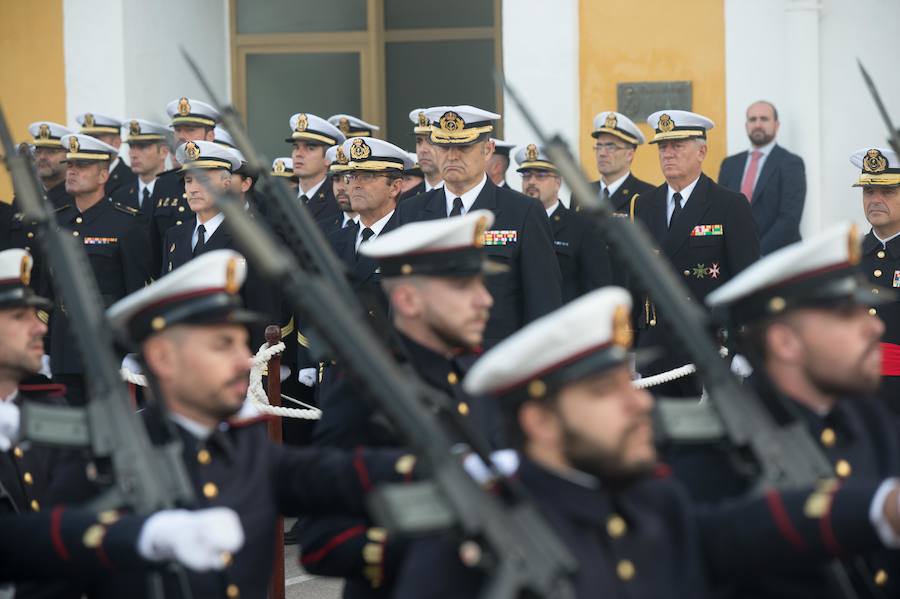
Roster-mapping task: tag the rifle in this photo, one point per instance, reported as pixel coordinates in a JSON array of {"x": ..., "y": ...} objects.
[
  {"x": 893, "y": 133},
  {"x": 786, "y": 454},
  {"x": 147, "y": 477},
  {"x": 505, "y": 533}
]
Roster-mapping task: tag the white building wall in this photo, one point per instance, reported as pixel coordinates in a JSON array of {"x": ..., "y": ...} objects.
[
  {"x": 762, "y": 40},
  {"x": 540, "y": 61},
  {"x": 123, "y": 57}
]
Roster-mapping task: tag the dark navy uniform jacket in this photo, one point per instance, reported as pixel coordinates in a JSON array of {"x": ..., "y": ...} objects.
[
  {"x": 521, "y": 239},
  {"x": 115, "y": 240},
  {"x": 651, "y": 541},
  {"x": 336, "y": 545},
  {"x": 712, "y": 240},
  {"x": 881, "y": 266},
  {"x": 860, "y": 438},
  {"x": 257, "y": 293},
  {"x": 581, "y": 251},
  {"x": 240, "y": 468}
]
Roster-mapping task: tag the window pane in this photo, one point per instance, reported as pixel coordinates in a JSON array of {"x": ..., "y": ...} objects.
[
  {"x": 279, "y": 85},
  {"x": 300, "y": 16},
  {"x": 421, "y": 74},
  {"x": 430, "y": 14}
]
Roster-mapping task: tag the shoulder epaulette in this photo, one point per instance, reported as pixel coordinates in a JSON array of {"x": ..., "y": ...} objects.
[{"x": 125, "y": 209}]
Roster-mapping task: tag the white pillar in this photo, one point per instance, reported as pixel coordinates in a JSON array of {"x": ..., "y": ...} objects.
[{"x": 804, "y": 101}]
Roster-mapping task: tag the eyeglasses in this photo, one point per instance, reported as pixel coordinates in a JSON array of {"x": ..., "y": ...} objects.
[
  {"x": 610, "y": 148},
  {"x": 539, "y": 175},
  {"x": 363, "y": 177}
]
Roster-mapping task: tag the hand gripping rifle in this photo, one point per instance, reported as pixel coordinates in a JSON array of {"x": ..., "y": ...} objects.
[
  {"x": 786, "y": 454},
  {"x": 147, "y": 477},
  {"x": 505, "y": 533}
]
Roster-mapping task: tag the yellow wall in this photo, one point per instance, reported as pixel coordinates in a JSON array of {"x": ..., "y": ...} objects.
[
  {"x": 652, "y": 40},
  {"x": 32, "y": 68}
]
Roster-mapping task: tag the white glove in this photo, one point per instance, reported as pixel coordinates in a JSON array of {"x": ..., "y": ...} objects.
[
  {"x": 741, "y": 366},
  {"x": 130, "y": 362},
  {"x": 506, "y": 461},
  {"x": 307, "y": 376},
  {"x": 199, "y": 540},
  {"x": 45, "y": 367},
  {"x": 9, "y": 424},
  {"x": 284, "y": 372}
]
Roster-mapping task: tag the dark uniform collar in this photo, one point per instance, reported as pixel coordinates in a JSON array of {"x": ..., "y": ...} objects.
[
  {"x": 437, "y": 370},
  {"x": 91, "y": 213},
  {"x": 871, "y": 244},
  {"x": 572, "y": 498}
]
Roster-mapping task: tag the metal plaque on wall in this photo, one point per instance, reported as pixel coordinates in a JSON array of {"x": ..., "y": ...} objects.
[{"x": 639, "y": 100}]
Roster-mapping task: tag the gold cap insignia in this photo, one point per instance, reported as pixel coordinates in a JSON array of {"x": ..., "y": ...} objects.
[
  {"x": 184, "y": 107},
  {"x": 874, "y": 162},
  {"x": 231, "y": 284},
  {"x": 74, "y": 146},
  {"x": 452, "y": 122},
  {"x": 531, "y": 153},
  {"x": 611, "y": 121},
  {"x": 192, "y": 151},
  {"x": 665, "y": 124},
  {"x": 344, "y": 125},
  {"x": 854, "y": 249},
  {"x": 423, "y": 120},
  {"x": 279, "y": 166},
  {"x": 480, "y": 228},
  {"x": 44, "y": 131},
  {"x": 134, "y": 128},
  {"x": 622, "y": 334},
  {"x": 302, "y": 123},
  {"x": 25, "y": 270},
  {"x": 339, "y": 156},
  {"x": 359, "y": 149},
  {"x": 88, "y": 119}
]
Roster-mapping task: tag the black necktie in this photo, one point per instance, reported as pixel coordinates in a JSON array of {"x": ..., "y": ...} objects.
[
  {"x": 677, "y": 210},
  {"x": 201, "y": 239},
  {"x": 304, "y": 199},
  {"x": 457, "y": 207},
  {"x": 146, "y": 199},
  {"x": 606, "y": 193},
  {"x": 367, "y": 234}
]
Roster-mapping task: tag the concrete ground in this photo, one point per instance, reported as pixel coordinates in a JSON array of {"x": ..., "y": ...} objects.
[{"x": 299, "y": 584}]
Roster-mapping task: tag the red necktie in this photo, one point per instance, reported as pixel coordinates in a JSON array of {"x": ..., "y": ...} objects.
[{"x": 750, "y": 176}]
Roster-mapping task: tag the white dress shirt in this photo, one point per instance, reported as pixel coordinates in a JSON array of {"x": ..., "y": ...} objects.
[
  {"x": 141, "y": 187},
  {"x": 468, "y": 198},
  {"x": 211, "y": 225},
  {"x": 376, "y": 227},
  {"x": 312, "y": 190},
  {"x": 429, "y": 186},
  {"x": 614, "y": 186},
  {"x": 685, "y": 196}
]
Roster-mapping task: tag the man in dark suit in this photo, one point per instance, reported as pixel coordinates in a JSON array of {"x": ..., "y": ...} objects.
[
  {"x": 772, "y": 179},
  {"x": 580, "y": 249},
  {"x": 617, "y": 139},
  {"x": 704, "y": 230},
  {"x": 521, "y": 236},
  {"x": 880, "y": 182},
  {"x": 114, "y": 239},
  {"x": 208, "y": 168},
  {"x": 108, "y": 130},
  {"x": 310, "y": 137},
  {"x": 439, "y": 308},
  {"x": 148, "y": 148},
  {"x": 424, "y": 155}
]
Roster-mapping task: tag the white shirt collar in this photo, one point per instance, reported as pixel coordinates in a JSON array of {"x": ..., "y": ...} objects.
[
  {"x": 348, "y": 219},
  {"x": 200, "y": 431},
  {"x": 429, "y": 187},
  {"x": 114, "y": 163},
  {"x": 141, "y": 186},
  {"x": 685, "y": 193},
  {"x": 211, "y": 225},
  {"x": 764, "y": 150},
  {"x": 309, "y": 193},
  {"x": 884, "y": 242},
  {"x": 468, "y": 198},
  {"x": 615, "y": 185},
  {"x": 376, "y": 227},
  {"x": 552, "y": 209}
]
